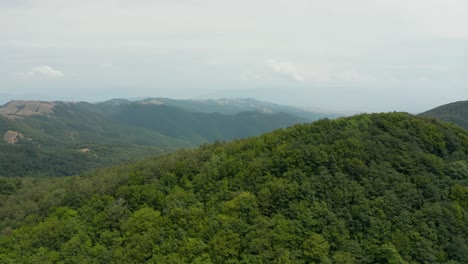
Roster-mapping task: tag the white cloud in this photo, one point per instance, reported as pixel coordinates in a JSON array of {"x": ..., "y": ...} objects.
[
  {"x": 106, "y": 65},
  {"x": 250, "y": 76},
  {"x": 352, "y": 76},
  {"x": 45, "y": 71},
  {"x": 285, "y": 69}
]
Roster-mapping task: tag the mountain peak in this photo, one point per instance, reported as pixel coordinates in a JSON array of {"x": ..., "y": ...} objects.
[
  {"x": 19, "y": 108},
  {"x": 116, "y": 101},
  {"x": 154, "y": 101}
]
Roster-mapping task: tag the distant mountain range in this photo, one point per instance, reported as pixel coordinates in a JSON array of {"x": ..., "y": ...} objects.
[
  {"x": 63, "y": 138},
  {"x": 456, "y": 113},
  {"x": 228, "y": 106}
]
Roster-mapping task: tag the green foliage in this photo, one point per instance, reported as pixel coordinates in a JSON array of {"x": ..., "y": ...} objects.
[
  {"x": 26, "y": 159},
  {"x": 380, "y": 188},
  {"x": 118, "y": 133},
  {"x": 456, "y": 113},
  {"x": 196, "y": 127},
  {"x": 316, "y": 248}
]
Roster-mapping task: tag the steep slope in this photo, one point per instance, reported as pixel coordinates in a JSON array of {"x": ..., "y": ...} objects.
[
  {"x": 456, "y": 113},
  {"x": 380, "y": 188},
  {"x": 196, "y": 127}
]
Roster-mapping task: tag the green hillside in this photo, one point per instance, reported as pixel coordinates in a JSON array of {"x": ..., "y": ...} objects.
[
  {"x": 196, "y": 127},
  {"x": 380, "y": 188},
  {"x": 49, "y": 137},
  {"x": 52, "y": 144},
  {"x": 456, "y": 113},
  {"x": 77, "y": 123}
]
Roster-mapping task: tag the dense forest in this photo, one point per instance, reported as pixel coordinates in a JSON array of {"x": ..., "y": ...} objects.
[
  {"x": 379, "y": 188},
  {"x": 456, "y": 113},
  {"x": 39, "y": 160},
  {"x": 197, "y": 128}
]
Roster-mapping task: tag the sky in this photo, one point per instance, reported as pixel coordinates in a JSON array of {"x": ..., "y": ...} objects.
[{"x": 334, "y": 55}]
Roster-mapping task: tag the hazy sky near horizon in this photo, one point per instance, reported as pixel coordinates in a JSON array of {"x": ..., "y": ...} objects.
[{"x": 360, "y": 55}]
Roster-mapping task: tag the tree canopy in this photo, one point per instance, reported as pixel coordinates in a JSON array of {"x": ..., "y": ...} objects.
[{"x": 378, "y": 188}]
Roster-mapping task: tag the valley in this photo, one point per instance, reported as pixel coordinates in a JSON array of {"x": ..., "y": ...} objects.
[{"x": 45, "y": 138}]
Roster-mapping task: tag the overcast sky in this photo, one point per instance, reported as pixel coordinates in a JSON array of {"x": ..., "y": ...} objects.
[{"x": 348, "y": 55}]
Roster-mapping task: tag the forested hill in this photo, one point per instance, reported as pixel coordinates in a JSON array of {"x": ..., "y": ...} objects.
[
  {"x": 65, "y": 138},
  {"x": 197, "y": 128},
  {"x": 380, "y": 188},
  {"x": 456, "y": 112}
]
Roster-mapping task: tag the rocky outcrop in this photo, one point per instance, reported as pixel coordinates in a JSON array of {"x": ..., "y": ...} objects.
[
  {"x": 11, "y": 137},
  {"x": 84, "y": 150}
]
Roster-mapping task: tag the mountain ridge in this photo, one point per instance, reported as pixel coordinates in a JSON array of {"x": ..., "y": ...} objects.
[
  {"x": 455, "y": 112},
  {"x": 229, "y": 106},
  {"x": 70, "y": 126}
]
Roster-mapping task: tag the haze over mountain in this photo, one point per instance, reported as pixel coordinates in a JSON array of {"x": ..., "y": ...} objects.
[
  {"x": 353, "y": 56},
  {"x": 63, "y": 138},
  {"x": 456, "y": 113},
  {"x": 230, "y": 106},
  {"x": 380, "y": 188}
]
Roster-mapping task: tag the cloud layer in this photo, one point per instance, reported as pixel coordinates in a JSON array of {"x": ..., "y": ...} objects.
[
  {"x": 312, "y": 49},
  {"x": 45, "y": 71},
  {"x": 284, "y": 68}
]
